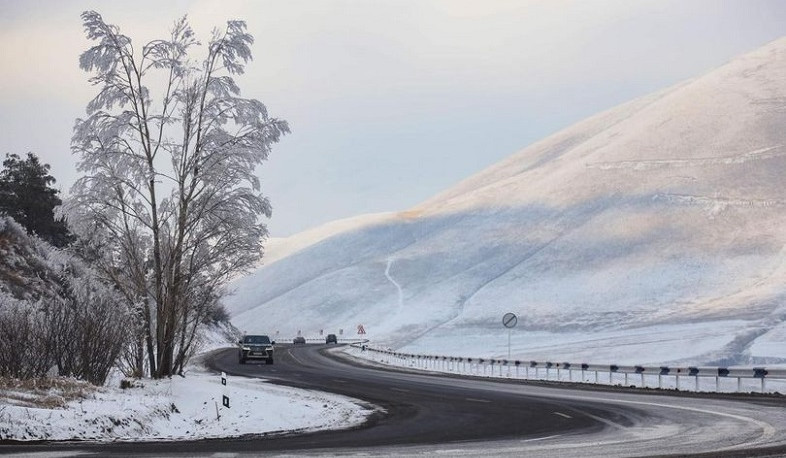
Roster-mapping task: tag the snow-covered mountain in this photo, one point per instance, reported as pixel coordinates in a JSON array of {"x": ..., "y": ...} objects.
[{"x": 653, "y": 232}]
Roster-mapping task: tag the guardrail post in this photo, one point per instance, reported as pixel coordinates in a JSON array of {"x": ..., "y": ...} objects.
[
  {"x": 739, "y": 384},
  {"x": 678, "y": 382},
  {"x": 663, "y": 371},
  {"x": 760, "y": 372},
  {"x": 626, "y": 379},
  {"x": 694, "y": 371},
  {"x": 570, "y": 371}
]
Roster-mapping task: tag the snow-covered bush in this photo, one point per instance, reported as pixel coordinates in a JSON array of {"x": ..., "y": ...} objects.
[{"x": 55, "y": 311}]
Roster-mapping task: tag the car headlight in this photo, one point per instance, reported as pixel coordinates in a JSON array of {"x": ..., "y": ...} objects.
[{"x": 246, "y": 349}]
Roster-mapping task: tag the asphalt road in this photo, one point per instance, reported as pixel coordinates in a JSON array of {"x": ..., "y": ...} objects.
[
  {"x": 426, "y": 415},
  {"x": 419, "y": 409}
]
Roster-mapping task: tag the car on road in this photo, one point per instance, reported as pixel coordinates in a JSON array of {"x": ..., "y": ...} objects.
[
  {"x": 258, "y": 347},
  {"x": 299, "y": 340},
  {"x": 331, "y": 338}
]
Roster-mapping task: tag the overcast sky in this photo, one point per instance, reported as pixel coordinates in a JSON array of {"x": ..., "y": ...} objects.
[{"x": 389, "y": 102}]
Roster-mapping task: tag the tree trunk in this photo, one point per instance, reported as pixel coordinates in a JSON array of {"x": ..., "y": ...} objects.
[{"x": 151, "y": 353}]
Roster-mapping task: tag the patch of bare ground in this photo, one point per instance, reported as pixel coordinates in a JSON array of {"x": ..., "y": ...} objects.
[{"x": 43, "y": 393}]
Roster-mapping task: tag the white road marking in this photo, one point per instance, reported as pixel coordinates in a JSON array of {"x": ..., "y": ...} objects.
[
  {"x": 767, "y": 430},
  {"x": 339, "y": 381},
  {"x": 477, "y": 400},
  {"x": 400, "y": 389},
  {"x": 289, "y": 352},
  {"x": 541, "y": 438},
  {"x": 563, "y": 415}
]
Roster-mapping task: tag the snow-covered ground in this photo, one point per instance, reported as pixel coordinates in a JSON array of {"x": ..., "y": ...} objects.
[
  {"x": 649, "y": 234},
  {"x": 187, "y": 407}
]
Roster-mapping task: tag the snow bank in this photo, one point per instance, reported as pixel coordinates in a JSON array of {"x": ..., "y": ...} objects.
[{"x": 179, "y": 408}]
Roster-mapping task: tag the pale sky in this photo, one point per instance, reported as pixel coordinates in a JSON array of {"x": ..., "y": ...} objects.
[{"x": 390, "y": 102}]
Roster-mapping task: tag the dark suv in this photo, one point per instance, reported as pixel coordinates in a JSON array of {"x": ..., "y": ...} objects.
[
  {"x": 331, "y": 338},
  {"x": 255, "y": 347}
]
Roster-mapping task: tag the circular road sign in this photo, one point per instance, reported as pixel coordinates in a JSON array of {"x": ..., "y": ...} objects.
[{"x": 509, "y": 320}]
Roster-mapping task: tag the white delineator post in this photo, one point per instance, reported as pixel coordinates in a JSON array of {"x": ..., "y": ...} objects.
[{"x": 225, "y": 390}]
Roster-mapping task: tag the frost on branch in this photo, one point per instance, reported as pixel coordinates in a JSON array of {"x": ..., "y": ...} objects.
[
  {"x": 55, "y": 311},
  {"x": 169, "y": 197}
]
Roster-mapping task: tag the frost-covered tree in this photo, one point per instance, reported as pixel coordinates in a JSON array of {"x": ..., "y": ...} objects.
[{"x": 169, "y": 197}]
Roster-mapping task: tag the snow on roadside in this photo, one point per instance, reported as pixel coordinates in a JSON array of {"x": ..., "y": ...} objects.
[{"x": 181, "y": 408}]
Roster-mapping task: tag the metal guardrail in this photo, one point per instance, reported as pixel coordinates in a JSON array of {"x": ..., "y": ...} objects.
[
  {"x": 322, "y": 340},
  {"x": 635, "y": 376}
]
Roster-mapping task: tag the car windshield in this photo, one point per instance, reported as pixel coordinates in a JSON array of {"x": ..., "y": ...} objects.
[{"x": 256, "y": 339}]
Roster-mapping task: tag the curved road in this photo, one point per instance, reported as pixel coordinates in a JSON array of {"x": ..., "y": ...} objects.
[{"x": 425, "y": 414}]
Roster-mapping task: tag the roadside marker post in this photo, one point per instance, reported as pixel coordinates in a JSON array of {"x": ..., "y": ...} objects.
[{"x": 225, "y": 396}]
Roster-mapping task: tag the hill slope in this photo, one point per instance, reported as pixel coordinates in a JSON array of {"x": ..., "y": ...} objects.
[{"x": 649, "y": 233}]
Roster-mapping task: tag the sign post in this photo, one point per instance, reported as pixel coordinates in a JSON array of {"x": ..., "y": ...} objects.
[{"x": 509, "y": 320}]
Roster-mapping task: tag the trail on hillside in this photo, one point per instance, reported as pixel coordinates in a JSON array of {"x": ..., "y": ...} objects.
[{"x": 398, "y": 287}]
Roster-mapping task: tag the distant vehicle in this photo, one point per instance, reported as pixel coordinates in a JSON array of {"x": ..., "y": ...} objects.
[
  {"x": 299, "y": 340},
  {"x": 331, "y": 338},
  {"x": 255, "y": 347}
]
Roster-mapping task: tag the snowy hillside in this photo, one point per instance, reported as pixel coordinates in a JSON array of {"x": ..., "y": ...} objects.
[{"x": 649, "y": 233}]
